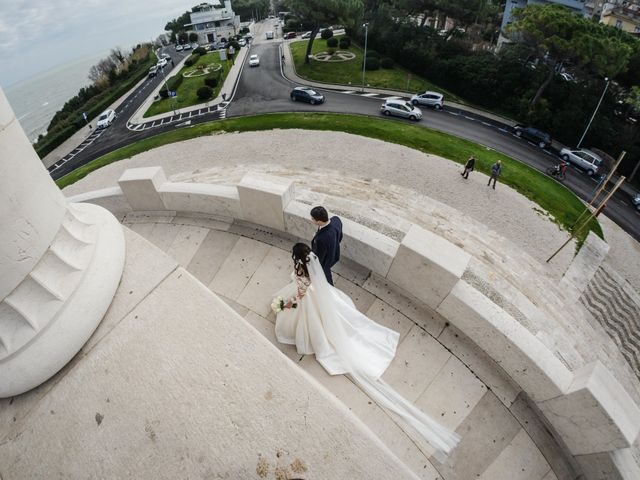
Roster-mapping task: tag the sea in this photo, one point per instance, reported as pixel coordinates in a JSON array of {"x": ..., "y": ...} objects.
[{"x": 36, "y": 100}]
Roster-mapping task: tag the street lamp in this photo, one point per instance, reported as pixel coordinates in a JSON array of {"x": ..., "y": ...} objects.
[
  {"x": 595, "y": 111},
  {"x": 364, "y": 62},
  {"x": 173, "y": 102}
]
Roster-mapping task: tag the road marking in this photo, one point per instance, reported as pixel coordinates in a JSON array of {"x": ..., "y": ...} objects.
[
  {"x": 153, "y": 125},
  {"x": 469, "y": 118},
  {"x": 348, "y": 92},
  {"x": 454, "y": 113},
  {"x": 369, "y": 95},
  {"x": 487, "y": 124},
  {"x": 392, "y": 98}
]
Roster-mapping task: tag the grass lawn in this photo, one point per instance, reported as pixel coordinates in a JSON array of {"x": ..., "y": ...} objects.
[
  {"x": 186, "y": 93},
  {"x": 350, "y": 72},
  {"x": 550, "y": 195}
]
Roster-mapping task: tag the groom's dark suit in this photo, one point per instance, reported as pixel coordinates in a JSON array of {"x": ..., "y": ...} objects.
[{"x": 326, "y": 245}]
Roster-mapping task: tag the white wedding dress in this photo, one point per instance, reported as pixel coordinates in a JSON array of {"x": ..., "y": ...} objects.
[{"x": 326, "y": 323}]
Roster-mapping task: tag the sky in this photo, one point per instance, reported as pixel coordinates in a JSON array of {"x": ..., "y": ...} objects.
[{"x": 40, "y": 35}]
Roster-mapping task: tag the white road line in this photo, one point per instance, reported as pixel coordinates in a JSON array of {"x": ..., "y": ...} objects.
[
  {"x": 369, "y": 95},
  {"x": 348, "y": 92},
  {"x": 469, "y": 118},
  {"x": 391, "y": 98},
  {"x": 454, "y": 113},
  {"x": 152, "y": 125},
  {"x": 487, "y": 124}
]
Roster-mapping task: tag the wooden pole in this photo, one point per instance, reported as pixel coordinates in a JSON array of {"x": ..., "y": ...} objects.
[
  {"x": 593, "y": 215},
  {"x": 602, "y": 186}
]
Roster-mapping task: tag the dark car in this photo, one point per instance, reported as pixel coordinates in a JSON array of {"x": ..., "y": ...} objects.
[
  {"x": 540, "y": 138},
  {"x": 289, "y": 35},
  {"x": 306, "y": 94}
]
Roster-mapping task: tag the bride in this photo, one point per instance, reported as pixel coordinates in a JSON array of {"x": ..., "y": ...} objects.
[{"x": 320, "y": 319}]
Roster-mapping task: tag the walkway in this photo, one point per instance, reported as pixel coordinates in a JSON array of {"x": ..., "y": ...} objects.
[{"x": 502, "y": 437}]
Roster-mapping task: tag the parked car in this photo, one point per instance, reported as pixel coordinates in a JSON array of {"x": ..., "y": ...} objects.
[
  {"x": 635, "y": 200},
  {"x": 153, "y": 71},
  {"x": 194, "y": 45},
  {"x": 254, "y": 61},
  {"x": 430, "y": 99},
  {"x": 179, "y": 48},
  {"x": 540, "y": 138},
  {"x": 289, "y": 35},
  {"x": 162, "y": 63},
  {"x": 401, "y": 108},
  {"x": 583, "y": 158},
  {"x": 567, "y": 77},
  {"x": 242, "y": 42},
  {"x": 106, "y": 118},
  {"x": 166, "y": 56},
  {"x": 306, "y": 35},
  {"x": 306, "y": 94},
  {"x": 186, "y": 46}
]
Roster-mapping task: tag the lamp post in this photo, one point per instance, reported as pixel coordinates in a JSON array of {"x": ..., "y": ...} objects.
[
  {"x": 364, "y": 62},
  {"x": 595, "y": 111},
  {"x": 173, "y": 102}
]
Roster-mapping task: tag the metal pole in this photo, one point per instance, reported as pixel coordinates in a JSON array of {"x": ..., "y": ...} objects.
[
  {"x": 173, "y": 102},
  {"x": 594, "y": 112},
  {"x": 364, "y": 62}
]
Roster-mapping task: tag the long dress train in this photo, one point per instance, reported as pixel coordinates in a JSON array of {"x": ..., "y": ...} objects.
[{"x": 326, "y": 323}]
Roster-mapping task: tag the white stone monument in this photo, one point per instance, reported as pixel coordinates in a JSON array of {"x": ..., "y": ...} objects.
[{"x": 60, "y": 265}]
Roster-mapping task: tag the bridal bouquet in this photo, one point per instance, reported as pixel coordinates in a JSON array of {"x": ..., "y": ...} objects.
[{"x": 278, "y": 305}]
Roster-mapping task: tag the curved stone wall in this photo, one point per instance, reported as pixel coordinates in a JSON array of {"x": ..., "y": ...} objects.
[{"x": 588, "y": 408}]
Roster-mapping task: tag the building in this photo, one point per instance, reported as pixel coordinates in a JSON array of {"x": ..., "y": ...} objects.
[
  {"x": 213, "y": 21},
  {"x": 624, "y": 17}
]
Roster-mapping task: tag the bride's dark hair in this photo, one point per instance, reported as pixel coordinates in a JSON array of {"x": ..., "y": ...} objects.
[{"x": 300, "y": 255}]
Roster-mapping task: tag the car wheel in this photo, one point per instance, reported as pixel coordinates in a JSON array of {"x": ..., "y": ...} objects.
[
  {"x": 438, "y": 107},
  {"x": 542, "y": 145},
  {"x": 565, "y": 157},
  {"x": 387, "y": 112},
  {"x": 415, "y": 102},
  {"x": 413, "y": 118},
  {"x": 638, "y": 207},
  {"x": 293, "y": 97},
  {"x": 590, "y": 172},
  {"x": 518, "y": 133},
  {"x": 312, "y": 102}
]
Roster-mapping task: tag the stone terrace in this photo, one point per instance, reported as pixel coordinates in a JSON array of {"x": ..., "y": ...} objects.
[{"x": 502, "y": 435}]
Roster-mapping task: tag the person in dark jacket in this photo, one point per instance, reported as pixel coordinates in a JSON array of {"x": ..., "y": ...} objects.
[
  {"x": 468, "y": 167},
  {"x": 326, "y": 241},
  {"x": 496, "y": 170}
]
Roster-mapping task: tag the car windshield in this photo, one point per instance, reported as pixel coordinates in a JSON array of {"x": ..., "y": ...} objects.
[
  {"x": 312, "y": 92},
  {"x": 103, "y": 116},
  {"x": 254, "y": 57}
]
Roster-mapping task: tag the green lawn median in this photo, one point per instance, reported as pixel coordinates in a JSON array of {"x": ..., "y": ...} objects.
[
  {"x": 193, "y": 79},
  {"x": 349, "y": 73},
  {"x": 561, "y": 204}
]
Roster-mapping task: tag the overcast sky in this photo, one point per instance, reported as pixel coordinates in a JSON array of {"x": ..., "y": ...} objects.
[{"x": 38, "y": 35}]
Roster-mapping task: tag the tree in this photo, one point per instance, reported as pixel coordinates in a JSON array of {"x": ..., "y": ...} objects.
[
  {"x": 555, "y": 35},
  {"x": 193, "y": 37},
  {"x": 321, "y": 13},
  {"x": 177, "y": 24}
]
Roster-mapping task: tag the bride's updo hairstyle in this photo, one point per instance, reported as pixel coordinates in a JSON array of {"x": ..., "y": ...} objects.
[{"x": 300, "y": 255}]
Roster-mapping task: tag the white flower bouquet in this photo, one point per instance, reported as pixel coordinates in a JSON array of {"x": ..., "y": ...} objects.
[{"x": 278, "y": 304}]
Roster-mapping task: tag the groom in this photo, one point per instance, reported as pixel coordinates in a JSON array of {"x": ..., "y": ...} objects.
[{"x": 326, "y": 241}]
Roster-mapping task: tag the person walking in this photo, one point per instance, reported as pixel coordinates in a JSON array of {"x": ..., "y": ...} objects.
[
  {"x": 496, "y": 170},
  {"x": 468, "y": 167}
]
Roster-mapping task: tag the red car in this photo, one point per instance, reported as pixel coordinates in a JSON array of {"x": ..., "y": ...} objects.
[{"x": 289, "y": 35}]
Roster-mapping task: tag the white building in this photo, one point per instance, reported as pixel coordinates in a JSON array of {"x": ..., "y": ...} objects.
[{"x": 214, "y": 21}]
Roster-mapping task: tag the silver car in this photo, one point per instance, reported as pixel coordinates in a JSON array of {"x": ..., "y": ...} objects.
[
  {"x": 583, "y": 158},
  {"x": 430, "y": 99},
  {"x": 401, "y": 108}
]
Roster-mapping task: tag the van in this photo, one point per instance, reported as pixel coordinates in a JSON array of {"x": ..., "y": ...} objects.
[
  {"x": 269, "y": 35},
  {"x": 583, "y": 158}
]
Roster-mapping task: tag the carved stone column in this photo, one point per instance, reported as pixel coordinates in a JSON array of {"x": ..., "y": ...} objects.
[{"x": 60, "y": 265}]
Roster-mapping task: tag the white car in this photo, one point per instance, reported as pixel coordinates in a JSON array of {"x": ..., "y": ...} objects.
[
  {"x": 583, "y": 158},
  {"x": 401, "y": 108},
  {"x": 178, "y": 48},
  {"x": 306, "y": 35},
  {"x": 194, "y": 45},
  {"x": 242, "y": 42},
  {"x": 254, "y": 61},
  {"x": 187, "y": 46},
  {"x": 106, "y": 118},
  {"x": 162, "y": 63},
  {"x": 430, "y": 99}
]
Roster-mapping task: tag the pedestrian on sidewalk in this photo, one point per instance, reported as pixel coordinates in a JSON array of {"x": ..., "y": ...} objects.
[
  {"x": 496, "y": 170},
  {"x": 468, "y": 167}
]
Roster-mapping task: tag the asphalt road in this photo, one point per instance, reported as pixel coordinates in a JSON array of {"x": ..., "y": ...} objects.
[{"x": 264, "y": 89}]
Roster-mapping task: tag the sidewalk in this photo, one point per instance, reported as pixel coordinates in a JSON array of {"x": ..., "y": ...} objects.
[{"x": 290, "y": 73}]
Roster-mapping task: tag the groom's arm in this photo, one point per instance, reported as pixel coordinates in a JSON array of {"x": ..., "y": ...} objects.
[{"x": 321, "y": 249}]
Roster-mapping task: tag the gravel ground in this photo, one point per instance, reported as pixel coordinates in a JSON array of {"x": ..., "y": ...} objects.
[{"x": 502, "y": 210}]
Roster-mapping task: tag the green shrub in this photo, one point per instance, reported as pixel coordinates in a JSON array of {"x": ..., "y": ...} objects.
[
  {"x": 386, "y": 63},
  {"x": 331, "y": 50},
  {"x": 373, "y": 63},
  {"x": 200, "y": 51},
  {"x": 372, "y": 54},
  {"x": 193, "y": 58},
  {"x": 345, "y": 42},
  {"x": 204, "y": 93},
  {"x": 326, "y": 33},
  {"x": 332, "y": 42},
  {"x": 211, "y": 81}
]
